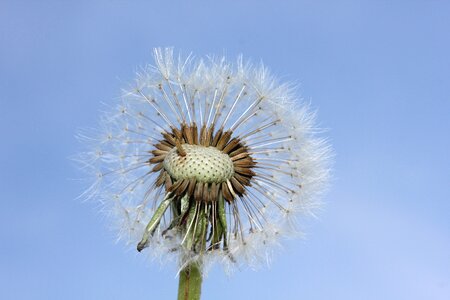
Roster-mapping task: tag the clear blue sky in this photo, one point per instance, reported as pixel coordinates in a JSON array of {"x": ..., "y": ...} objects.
[{"x": 377, "y": 71}]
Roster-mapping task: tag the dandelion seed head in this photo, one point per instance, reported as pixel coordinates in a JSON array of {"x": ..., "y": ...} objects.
[{"x": 206, "y": 160}]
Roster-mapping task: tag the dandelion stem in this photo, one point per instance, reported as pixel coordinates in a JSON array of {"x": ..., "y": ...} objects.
[{"x": 190, "y": 284}]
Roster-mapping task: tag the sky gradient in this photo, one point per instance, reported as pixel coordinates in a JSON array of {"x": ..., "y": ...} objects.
[{"x": 378, "y": 72}]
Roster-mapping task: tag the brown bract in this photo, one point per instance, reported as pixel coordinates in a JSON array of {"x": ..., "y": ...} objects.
[{"x": 202, "y": 190}]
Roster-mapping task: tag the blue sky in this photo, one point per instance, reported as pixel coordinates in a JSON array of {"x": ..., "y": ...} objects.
[{"x": 377, "y": 71}]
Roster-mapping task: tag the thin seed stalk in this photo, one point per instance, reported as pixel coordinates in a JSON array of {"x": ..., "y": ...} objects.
[{"x": 190, "y": 284}]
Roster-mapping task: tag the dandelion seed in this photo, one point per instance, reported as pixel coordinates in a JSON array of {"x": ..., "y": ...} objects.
[{"x": 207, "y": 161}]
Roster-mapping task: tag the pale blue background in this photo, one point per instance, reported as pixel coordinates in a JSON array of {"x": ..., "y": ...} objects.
[{"x": 378, "y": 71}]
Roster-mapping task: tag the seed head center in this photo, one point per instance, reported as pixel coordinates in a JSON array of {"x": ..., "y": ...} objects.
[{"x": 205, "y": 164}]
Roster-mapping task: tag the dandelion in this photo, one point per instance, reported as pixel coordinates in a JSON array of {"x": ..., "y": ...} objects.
[{"x": 206, "y": 161}]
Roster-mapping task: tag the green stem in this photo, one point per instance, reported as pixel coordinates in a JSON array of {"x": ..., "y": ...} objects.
[{"x": 190, "y": 284}]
